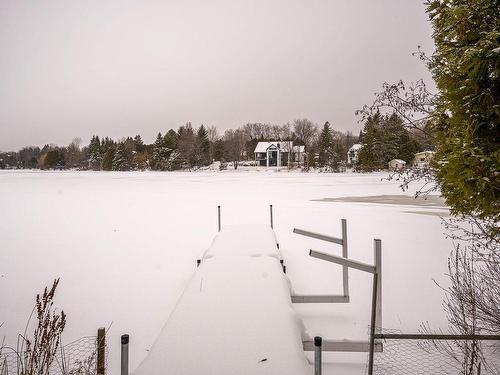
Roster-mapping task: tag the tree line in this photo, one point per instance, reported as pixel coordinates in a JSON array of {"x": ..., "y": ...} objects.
[
  {"x": 186, "y": 148},
  {"x": 384, "y": 137}
]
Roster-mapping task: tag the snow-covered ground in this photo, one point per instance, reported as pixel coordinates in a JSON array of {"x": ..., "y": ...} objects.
[{"x": 125, "y": 247}]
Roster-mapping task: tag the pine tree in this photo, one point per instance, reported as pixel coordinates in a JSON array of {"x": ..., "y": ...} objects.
[
  {"x": 326, "y": 147},
  {"x": 186, "y": 145},
  {"x": 139, "y": 144},
  {"x": 108, "y": 151},
  {"x": 161, "y": 154},
  {"x": 171, "y": 138},
  {"x": 120, "y": 158},
  {"x": 370, "y": 156},
  {"x": 202, "y": 147},
  {"x": 95, "y": 153},
  {"x": 466, "y": 68}
]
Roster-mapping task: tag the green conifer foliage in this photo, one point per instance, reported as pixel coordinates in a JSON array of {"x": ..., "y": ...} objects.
[{"x": 466, "y": 68}]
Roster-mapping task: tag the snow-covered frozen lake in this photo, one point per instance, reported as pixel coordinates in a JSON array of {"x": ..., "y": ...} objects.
[{"x": 125, "y": 246}]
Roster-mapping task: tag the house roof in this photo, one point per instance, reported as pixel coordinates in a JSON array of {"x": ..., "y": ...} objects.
[
  {"x": 282, "y": 145},
  {"x": 356, "y": 147},
  {"x": 425, "y": 153},
  {"x": 399, "y": 161}
]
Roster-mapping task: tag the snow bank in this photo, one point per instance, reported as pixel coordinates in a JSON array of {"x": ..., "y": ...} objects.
[{"x": 235, "y": 317}]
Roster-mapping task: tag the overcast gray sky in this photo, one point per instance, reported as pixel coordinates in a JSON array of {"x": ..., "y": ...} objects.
[{"x": 73, "y": 68}]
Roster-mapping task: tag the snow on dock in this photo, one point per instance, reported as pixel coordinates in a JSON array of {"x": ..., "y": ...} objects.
[{"x": 235, "y": 316}]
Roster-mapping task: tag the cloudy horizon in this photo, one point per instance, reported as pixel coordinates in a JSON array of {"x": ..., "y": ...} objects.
[{"x": 120, "y": 68}]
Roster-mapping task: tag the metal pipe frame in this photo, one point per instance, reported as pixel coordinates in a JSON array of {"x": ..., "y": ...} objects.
[
  {"x": 345, "y": 268},
  {"x": 218, "y": 218},
  {"x": 318, "y": 236},
  {"x": 346, "y": 346},
  {"x": 343, "y": 261},
  {"x": 320, "y": 298},
  {"x": 418, "y": 336}
]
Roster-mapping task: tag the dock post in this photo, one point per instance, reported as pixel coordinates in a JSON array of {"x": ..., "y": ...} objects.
[
  {"x": 101, "y": 351},
  {"x": 317, "y": 355},
  {"x": 377, "y": 244},
  {"x": 345, "y": 269},
  {"x": 373, "y": 320},
  {"x": 271, "y": 214},
  {"x": 124, "y": 355},
  {"x": 218, "y": 217}
]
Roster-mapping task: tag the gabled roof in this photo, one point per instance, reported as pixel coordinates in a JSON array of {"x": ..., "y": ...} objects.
[
  {"x": 356, "y": 147},
  {"x": 399, "y": 161},
  {"x": 425, "y": 153},
  {"x": 282, "y": 145}
]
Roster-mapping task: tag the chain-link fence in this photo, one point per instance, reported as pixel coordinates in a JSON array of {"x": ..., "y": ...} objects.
[
  {"x": 437, "y": 354},
  {"x": 79, "y": 357}
]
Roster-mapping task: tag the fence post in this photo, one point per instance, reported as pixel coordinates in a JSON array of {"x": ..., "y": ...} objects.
[
  {"x": 124, "y": 356},
  {"x": 373, "y": 319},
  {"x": 101, "y": 351},
  {"x": 317, "y": 355},
  {"x": 271, "y": 215},
  {"x": 378, "y": 270},
  {"x": 345, "y": 269},
  {"x": 218, "y": 217}
]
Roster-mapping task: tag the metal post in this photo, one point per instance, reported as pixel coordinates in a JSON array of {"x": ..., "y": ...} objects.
[
  {"x": 378, "y": 270},
  {"x": 317, "y": 355},
  {"x": 101, "y": 351},
  {"x": 124, "y": 357},
  {"x": 218, "y": 217},
  {"x": 271, "y": 214},
  {"x": 372, "y": 323},
  {"x": 345, "y": 269}
]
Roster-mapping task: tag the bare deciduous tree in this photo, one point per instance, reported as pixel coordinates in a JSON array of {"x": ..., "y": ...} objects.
[
  {"x": 234, "y": 143},
  {"x": 213, "y": 136}
]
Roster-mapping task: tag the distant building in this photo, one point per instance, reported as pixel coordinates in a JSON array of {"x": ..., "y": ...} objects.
[
  {"x": 423, "y": 159},
  {"x": 397, "y": 165},
  {"x": 278, "y": 154},
  {"x": 352, "y": 154}
]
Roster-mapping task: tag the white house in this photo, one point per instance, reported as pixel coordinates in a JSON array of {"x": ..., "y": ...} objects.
[
  {"x": 397, "y": 165},
  {"x": 423, "y": 159},
  {"x": 278, "y": 153},
  {"x": 352, "y": 154}
]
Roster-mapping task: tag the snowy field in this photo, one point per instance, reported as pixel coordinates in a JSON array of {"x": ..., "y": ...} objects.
[{"x": 125, "y": 247}]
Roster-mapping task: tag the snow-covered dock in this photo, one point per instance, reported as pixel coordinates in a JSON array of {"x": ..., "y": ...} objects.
[{"x": 235, "y": 316}]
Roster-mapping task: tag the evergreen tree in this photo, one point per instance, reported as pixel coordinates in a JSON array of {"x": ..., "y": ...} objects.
[
  {"x": 326, "y": 147},
  {"x": 370, "y": 156},
  {"x": 108, "y": 152},
  {"x": 139, "y": 144},
  {"x": 186, "y": 145},
  {"x": 95, "y": 153},
  {"x": 161, "y": 154},
  {"x": 202, "y": 147},
  {"x": 466, "y": 68},
  {"x": 171, "y": 138},
  {"x": 121, "y": 160}
]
